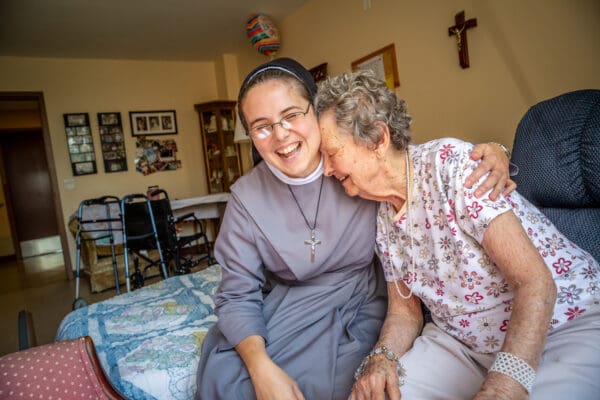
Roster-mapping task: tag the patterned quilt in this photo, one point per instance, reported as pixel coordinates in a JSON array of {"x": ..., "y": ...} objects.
[{"x": 148, "y": 341}]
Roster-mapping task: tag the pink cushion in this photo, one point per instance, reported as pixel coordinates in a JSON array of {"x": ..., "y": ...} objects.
[{"x": 60, "y": 370}]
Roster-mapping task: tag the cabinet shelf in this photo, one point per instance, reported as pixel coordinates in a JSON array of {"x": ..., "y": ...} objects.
[{"x": 221, "y": 154}]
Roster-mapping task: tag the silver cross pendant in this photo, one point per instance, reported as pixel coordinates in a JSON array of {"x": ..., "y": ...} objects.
[{"x": 312, "y": 242}]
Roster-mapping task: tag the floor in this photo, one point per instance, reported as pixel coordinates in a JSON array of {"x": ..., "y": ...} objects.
[{"x": 39, "y": 285}]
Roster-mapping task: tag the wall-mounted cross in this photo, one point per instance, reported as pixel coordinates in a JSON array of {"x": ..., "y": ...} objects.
[{"x": 460, "y": 31}]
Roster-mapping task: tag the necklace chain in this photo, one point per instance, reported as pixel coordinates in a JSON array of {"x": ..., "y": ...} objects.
[
  {"x": 313, "y": 241},
  {"x": 409, "y": 230}
]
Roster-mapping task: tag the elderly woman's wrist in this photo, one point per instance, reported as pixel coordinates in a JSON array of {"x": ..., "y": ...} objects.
[
  {"x": 386, "y": 353},
  {"x": 515, "y": 368}
]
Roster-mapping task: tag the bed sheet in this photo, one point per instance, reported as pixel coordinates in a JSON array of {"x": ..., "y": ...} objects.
[{"x": 148, "y": 341}]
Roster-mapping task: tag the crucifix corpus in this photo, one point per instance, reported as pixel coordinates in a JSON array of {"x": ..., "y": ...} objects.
[
  {"x": 460, "y": 31},
  {"x": 312, "y": 242}
]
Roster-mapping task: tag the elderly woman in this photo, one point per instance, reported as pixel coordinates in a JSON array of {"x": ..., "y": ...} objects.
[{"x": 514, "y": 304}]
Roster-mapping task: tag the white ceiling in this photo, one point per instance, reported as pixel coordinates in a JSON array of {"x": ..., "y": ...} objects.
[{"x": 196, "y": 30}]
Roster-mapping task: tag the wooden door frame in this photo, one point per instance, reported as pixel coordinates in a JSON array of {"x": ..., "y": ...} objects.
[{"x": 39, "y": 98}]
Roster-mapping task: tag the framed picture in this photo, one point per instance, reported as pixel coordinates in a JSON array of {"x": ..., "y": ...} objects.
[
  {"x": 383, "y": 63},
  {"x": 80, "y": 143},
  {"x": 153, "y": 155},
  {"x": 319, "y": 72},
  {"x": 144, "y": 123},
  {"x": 112, "y": 140},
  {"x": 79, "y": 119}
]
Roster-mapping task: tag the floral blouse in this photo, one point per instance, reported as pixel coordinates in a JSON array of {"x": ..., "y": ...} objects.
[{"x": 466, "y": 293}]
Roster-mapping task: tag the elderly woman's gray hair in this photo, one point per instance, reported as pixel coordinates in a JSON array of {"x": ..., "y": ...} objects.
[{"x": 360, "y": 99}]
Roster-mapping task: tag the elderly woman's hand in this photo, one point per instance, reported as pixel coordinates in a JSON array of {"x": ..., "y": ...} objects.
[
  {"x": 380, "y": 376},
  {"x": 495, "y": 161}
]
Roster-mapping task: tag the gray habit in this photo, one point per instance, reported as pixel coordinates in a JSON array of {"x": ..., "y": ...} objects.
[{"x": 319, "y": 319}]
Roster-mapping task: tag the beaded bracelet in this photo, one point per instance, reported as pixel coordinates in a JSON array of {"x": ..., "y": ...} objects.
[
  {"x": 503, "y": 148},
  {"x": 389, "y": 354},
  {"x": 516, "y": 368}
]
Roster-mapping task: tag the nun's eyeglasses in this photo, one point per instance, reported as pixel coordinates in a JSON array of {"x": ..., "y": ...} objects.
[{"x": 289, "y": 121}]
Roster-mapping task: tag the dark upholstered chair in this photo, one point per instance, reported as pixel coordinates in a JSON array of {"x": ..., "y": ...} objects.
[{"x": 557, "y": 150}]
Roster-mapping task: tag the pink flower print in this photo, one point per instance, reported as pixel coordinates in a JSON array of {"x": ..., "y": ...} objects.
[
  {"x": 445, "y": 243},
  {"x": 531, "y": 234},
  {"x": 451, "y": 216},
  {"x": 446, "y": 152},
  {"x": 426, "y": 173},
  {"x": 409, "y": 278},
  {"x": 589, "y": 272},
  {"x": 440, "y": 219},
  {"x": 492, "y": 342},
  {"x": 451, "y": 204},
  {"x": 485, "y": 324},
  {"x": 474, "y": 209},
  {"x": 569, "y": 294},
  {"x": 504, "y": 326},
  {"x": 453, "y": 231},
  {"x": 551, "y": 244},
  {"x": 473, "y": 298},
  {"x": 496, "y": 289},
  {"x": 448, "y": 257},
  {"x": 470, "y": 280},
  {"x": 401, "y": 220},
  {"x": 464, "y": 323},
  {"x": 426, "y": 281},
  {"x": 463, "y": 252},
  {"x": 574, "y": 312},
  {"x": 561, "y": 266},
  {"x": 427, "y": 200},
  {"x": 440, "y": 283}
]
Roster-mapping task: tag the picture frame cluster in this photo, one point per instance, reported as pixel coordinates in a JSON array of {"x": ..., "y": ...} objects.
[
  {"x": 80, "y": 143},
  {"x": 80, "y": 140},
  {"x": 112, "y": 142}
]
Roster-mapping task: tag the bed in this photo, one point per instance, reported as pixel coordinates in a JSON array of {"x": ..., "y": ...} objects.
[{"x": 148, "y": 341}]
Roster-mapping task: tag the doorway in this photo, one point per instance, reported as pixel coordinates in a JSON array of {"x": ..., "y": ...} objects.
[
  {"x": 29, "y": 180},
  {"x": 29, "y": 192}
]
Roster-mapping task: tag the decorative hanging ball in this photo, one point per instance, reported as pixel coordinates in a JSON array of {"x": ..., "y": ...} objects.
[{"x": 263, "y": 34}]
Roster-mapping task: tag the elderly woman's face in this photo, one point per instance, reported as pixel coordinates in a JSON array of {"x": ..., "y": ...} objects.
[
  {"x": 353, "y": 164},
  {"x": 295, "y": 150}
]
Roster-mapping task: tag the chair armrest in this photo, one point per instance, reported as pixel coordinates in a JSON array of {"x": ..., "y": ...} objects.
[
  {"x": 185, "y": 217},
  {"x": 109, "y": 391}
]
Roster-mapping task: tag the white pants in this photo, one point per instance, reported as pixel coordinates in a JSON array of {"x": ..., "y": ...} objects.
[{"x": 440, "y": 367}]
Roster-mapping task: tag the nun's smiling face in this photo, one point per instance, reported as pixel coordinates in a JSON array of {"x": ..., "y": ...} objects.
[{"x": 293, "y": 145}]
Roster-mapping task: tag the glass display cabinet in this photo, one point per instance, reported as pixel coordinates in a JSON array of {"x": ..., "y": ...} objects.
[{"x": 221, "y": 153}]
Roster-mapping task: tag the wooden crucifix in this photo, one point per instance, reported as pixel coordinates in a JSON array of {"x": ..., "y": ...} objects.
[{"x": 460, "y": 31}]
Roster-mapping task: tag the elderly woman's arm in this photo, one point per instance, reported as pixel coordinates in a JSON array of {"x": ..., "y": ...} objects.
[
  {"x": 403, "y": 323},
  {"x": 512, "y": 251}
]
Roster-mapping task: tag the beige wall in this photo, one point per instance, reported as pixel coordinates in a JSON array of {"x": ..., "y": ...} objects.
[
  {"x": 521, "y": 52},
  {"x": 93, "y": 86}
]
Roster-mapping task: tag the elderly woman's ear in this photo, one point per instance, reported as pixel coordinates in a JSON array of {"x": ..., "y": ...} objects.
[{"x": 384, "y": 139}]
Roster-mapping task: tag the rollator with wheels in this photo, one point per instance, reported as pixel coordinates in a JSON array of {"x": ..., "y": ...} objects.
[{"x": 98, "y": 219}]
